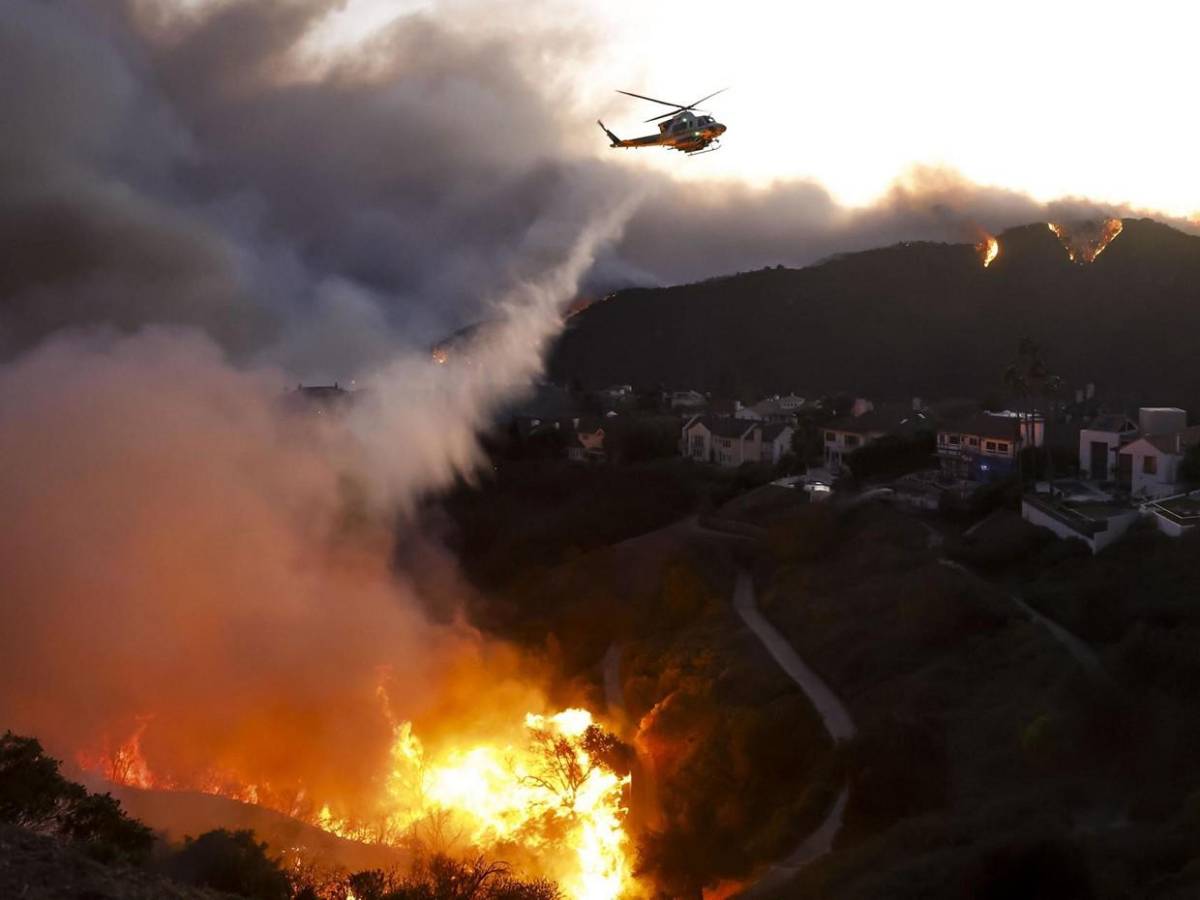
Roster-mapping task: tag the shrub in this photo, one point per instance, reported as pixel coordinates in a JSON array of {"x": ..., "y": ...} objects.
[{"x": 230, "y": 861}]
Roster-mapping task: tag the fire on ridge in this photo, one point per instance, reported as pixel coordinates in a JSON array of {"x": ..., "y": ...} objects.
[
  {"x": 1084, "y": 241},
  {"x": 988, "y": 249}
]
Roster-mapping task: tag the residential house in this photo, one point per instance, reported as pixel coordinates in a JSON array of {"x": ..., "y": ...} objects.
[
  {"x": 1099, "y": 442},
  {"x": 1094, "y": 521},
  {"x": 614, "y": 395},
  {"x": 1149, "y": 466},
  {"x": 687, "y": 401},
  {"x": 1175, "y": 515},
  {"x": 984, "y": 447},
  {"x": 843, "y": 436},
  {"x": 585, "y": 441},
  {"x": 731, "y": 442},
  {"x": 778, "y": 409}
]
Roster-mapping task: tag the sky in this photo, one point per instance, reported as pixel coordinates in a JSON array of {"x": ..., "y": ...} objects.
[
  {"x": 313, "y": 182},
  {"x": 1051, "y": 99}
]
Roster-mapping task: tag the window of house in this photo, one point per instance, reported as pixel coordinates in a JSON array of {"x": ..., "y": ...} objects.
[
  {"x": 1002, "y": 446},
  {"x": 830, "y": 437},
  {"x": 955, "y": 439},
  {"x": 973, "y": 441},
  {"x": 697, "y": 444},
  {"x": 852, "y": 440},
  {"x": 1150, "y": 465}
]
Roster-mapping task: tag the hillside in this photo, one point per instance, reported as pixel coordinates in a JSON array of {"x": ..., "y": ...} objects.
[{"x": 912, "y": 319}]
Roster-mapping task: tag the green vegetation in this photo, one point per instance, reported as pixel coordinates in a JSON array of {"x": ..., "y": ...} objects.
[
  {"x": 35, "y": 795},
  {"x": 989, "y": 763},
  {"x": 892, "y": 456},
  {"x": 532, "y": 515},
  {"x": 1189, "y": 468},
  {"x": 230, "y": 861}
]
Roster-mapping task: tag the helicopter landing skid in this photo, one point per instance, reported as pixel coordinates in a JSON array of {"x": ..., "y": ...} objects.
[{"x": 715, "y": 145}]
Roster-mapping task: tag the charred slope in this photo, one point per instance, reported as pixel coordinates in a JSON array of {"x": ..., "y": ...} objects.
[{"x": 914, "y": 318}]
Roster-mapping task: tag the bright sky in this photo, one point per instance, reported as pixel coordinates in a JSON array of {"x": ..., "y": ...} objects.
[{"x": 1054, "y": 98}]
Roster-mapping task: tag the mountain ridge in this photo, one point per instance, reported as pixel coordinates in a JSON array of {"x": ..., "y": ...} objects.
[{"x": 915, "y": 318}]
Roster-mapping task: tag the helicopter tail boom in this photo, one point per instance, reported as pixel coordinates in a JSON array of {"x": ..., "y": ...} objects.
[{"x": 616, "y": 141}]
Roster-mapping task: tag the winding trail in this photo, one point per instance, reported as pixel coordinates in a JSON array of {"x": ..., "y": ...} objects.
[
  {"x": 833, "y": 714},
  {"x": 1072, "y": 643},
  {"x": 831, "y": 710}
]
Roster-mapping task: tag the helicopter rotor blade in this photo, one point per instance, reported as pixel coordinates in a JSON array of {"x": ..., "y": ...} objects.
[
  {"x": 651, "y": 99},
  {"x": 665, "y": 115},
  {"x": 702, "y": 99}
]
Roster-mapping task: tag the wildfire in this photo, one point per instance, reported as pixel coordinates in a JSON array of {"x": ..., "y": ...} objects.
[
  {"x": 556, "y": 798},
  {"x": 1086, "y": 240},
  {"x": 441, "y": 355},
  {"x": 988, "y": 249}
]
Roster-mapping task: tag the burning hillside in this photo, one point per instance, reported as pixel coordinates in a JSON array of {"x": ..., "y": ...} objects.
[
  {"x": 988, "y": 249},
  {"x": 548, "y": 796},
  {"x": 1084, "y": 241}
]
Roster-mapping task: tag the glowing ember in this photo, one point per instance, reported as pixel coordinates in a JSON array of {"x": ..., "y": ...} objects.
[
  {"x": 988, "y": 249},
  {"x": 1086, "y": 240},
  {"x": 556, "y": 798},
  {"x": 441, "y": 355}
]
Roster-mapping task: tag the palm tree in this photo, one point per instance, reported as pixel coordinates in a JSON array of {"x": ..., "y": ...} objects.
[{"x": 1029, "y": 379}]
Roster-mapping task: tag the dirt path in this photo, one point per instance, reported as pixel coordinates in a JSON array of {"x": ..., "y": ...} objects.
[
  {"x": 831, "y": 710},
  {"x": 833, "y": 714},
  {"x": 1074, "y": 645}
]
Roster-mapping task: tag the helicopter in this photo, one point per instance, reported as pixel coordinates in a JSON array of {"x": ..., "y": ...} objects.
[{"x": 684, "y": 129}]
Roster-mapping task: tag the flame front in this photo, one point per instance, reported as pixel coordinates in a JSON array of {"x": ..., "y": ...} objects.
[
  {"x": 988, "y": 249},
  {"x": 1087, "y": 240},
  {"x": 550, "y": 799}
]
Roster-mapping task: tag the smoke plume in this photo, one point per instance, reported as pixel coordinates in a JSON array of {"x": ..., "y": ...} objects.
[{"x": 195, "y": 214}]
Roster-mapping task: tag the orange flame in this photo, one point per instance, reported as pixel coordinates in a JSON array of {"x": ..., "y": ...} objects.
[
  {"x": 988, "y": 249},
  {"x": 549, "y": 797},
  {"x": 1087, "y": 240}
]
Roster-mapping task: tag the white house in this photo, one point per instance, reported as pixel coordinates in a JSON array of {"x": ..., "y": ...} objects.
[
  {"x": 1099, "y": 443},
  {"x": 731, "y": 442},
  {"x": 1149, "y": 466}
]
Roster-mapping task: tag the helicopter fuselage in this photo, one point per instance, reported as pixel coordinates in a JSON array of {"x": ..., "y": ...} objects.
[{"x": 685, "y": 132}]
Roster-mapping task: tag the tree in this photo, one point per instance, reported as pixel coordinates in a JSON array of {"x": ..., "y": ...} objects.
[
  {"x": 34, "y": 794},
  {"x": 561, "y": 770},
  {"x": 1029, "y": 379},
  {"x": 1189, "y": 469}
]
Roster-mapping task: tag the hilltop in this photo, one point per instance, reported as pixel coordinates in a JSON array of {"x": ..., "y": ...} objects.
[{"x": 912, "y": 319}]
